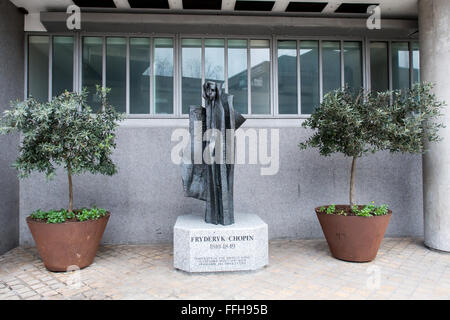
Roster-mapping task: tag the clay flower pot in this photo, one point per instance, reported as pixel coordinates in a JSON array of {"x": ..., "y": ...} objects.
[
  {"x": 68, "y": 244},
  {"x": 353, "y": 238}
]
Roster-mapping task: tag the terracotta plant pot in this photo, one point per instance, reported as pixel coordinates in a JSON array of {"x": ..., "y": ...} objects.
[
  {"x": 353, "y": 238},
  {"x": 61, "y": 245}
]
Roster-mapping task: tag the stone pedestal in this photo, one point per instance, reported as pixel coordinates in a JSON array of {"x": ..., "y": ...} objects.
[{"x": 204, "y": 247}]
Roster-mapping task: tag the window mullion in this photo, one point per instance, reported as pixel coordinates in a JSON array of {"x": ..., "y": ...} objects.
[
  {"x": 342, "y": 65},
  {"x": 127, "y": 85},
  {"x": 390, "y": 64},
  {"x": 50, "y": 67},
  {"x": 411, "y": 71},
  {"x": 249, "y": 79},
  {"x": 203, "y": 68},
  {"x": 151, "y": 72},
  {"x": 320, "y": 73},
  {"x": 225, "y": 74},
  {"x": 273, "y": 91},
  {"x": 368, "y": 65},
  {"x": 103, "y": 64},
  {"x": 274, "y": 66},
  {"x": 364, "y": 63},
  {"x": 299, "y": 87},
  {"x": 176, "y": 87}
]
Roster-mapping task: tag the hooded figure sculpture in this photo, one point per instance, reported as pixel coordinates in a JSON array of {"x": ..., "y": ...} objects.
[{"x": 208, "y": 167}]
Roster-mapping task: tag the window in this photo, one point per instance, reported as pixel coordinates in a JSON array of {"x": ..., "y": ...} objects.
[
  {"x": 191, "y": 69},
  {"x": 62, "y": 65},
  {"x": 331, "y": 65},
  {"x": 318, "y": 66},
  {"x": 309, "y": 76},
  {"x": 238, "y": 74},
  {"x": 226, "y": 61},
  {"x": 416, "y": 62},
  {"x": 163, "y": 81},
  {"x": 353, "y": 70},
  {"x": 215, "y": 60},
  {"x": 379, "y": 66},
  {"x": 400, "y": 65},
  {"x": 92, "y": 72},
  {"x": 260, "y": 76},
  {"x": 287, "y": 77},
  {"x": 139, "y": 75},
  {"x": 116, "y": 72},
  {"x": 152, "y": 76},
  {"x": 38, "y": 65},
  {"x": 394, "y": 65}
]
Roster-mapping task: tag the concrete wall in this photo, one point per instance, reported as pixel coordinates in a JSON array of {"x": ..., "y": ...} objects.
[
  {"x": 146, "y": 196},
  {"x": 11, "y": 88}
]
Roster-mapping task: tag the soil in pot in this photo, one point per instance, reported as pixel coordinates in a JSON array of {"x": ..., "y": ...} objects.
[
  {"x": 351, "y": 237},
  {"x": 68, "y": 244}
]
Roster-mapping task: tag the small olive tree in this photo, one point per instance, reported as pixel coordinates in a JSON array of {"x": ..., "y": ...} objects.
[
  {"x": 63, "y": 132},
  {"x": 397, "y": 121}
]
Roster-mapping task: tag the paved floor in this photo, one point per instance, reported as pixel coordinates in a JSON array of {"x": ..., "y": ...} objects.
[{"x": 300, "y": 269}]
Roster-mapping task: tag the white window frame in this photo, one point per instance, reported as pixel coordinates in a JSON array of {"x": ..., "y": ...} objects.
[{"x": 177, "y": 65}]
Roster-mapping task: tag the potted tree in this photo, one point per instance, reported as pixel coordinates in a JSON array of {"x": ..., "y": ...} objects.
[
  {"x": 357, "y": 124},
  {"x": 65, "y": 132}
]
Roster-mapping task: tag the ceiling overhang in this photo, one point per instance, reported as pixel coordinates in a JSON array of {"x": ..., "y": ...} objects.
[
  {"x": 222, "y": 16},
  {"x": 226, "y": 24}
]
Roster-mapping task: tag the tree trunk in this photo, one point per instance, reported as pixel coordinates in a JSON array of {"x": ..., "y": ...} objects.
[
  {"x": 352, "y": 182},
  {"x": 69, "y": 175}
]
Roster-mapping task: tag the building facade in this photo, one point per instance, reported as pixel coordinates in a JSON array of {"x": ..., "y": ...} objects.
[{"x": 277, "y": 58}]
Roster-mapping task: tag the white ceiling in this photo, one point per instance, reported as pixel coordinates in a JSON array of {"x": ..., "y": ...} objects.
[{"x": 389, "y": 8}]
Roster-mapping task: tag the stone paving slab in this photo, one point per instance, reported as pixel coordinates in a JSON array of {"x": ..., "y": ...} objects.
[{"x": 298, "y": 269}]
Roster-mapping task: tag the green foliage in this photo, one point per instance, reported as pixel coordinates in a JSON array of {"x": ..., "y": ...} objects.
[
  {"x": 90, "y": 214},
  {"x": 340, "y": 125},
  {"x": 398, "y": 121},
  {"x": 370, "y": 210},
  {"x": 381, "y": 210},
  {"x": 331, "y": 209},
  {"x": 322, "y": 209},
  {"x": 63, "y": 132},
  {"x": 60, "y": 216}
]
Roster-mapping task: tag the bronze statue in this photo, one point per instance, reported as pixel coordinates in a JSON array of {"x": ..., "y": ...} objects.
[{"x": 211, "y": 178}]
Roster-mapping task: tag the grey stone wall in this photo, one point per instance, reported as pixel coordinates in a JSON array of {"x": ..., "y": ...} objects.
[
  {"x": 146, "y": 196},
  {"x": 11, "y": 88}
]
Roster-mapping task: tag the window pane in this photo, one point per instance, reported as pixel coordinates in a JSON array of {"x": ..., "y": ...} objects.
[
  {"x": 38, "y": 67},
  {"x": 353, "y": 75},
  {"x": 287, "y": 77},
  {"x": 260, "y": 76},
  {"x": 400, "y": 65},
  {"x": 309, "y": 75},
  {"x": 215, "y": 60},
  {"x": 416, "y": 62},
  {"x": 163, "y": 75},
  {"x": 191, "y": 70},
  {"x": 331, "y": 65},
  {"x": 238, "y": 74},
  {"x": 139, "y": 75},
  {"x": 116, "y": 72},
  {"x": 379, "y": 66},
  {"x": 62, "y": 73},
  {"x": 92, "y": 69}
]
